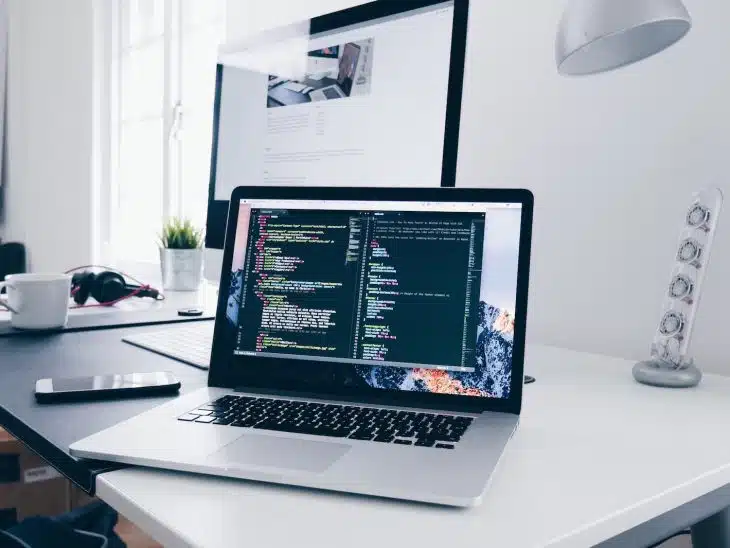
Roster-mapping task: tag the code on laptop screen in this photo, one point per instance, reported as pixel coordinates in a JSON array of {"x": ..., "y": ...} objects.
[{"x": 395, "y": 292}]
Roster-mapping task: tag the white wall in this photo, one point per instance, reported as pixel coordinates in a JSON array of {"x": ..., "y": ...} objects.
[
  {"x": 612, "y": 160},
  {"x": 49, "y": 196},
  {"x": 247, "y": 16}
]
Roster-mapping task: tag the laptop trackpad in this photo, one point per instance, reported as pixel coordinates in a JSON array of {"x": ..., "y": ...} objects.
[{"x": 281, "y": 453}]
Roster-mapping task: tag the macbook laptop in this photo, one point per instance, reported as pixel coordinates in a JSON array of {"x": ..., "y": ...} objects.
[
  {"x": 345, "y": 77},
  {"x": 367, "y": 340}
]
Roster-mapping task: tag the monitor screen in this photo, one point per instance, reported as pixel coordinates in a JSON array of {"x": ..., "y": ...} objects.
[
  {"x": 365, "y": 102},
  {"x": 415, "y": 296}
]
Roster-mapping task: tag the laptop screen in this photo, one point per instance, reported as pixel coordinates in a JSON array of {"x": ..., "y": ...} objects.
[{"x": 416, "y": 296}]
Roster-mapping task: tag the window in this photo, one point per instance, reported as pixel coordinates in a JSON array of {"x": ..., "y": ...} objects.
[{"x": 161, "y": 72}]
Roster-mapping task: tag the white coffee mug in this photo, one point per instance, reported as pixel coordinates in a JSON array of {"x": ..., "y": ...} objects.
[{"x": 37, "y": 301}]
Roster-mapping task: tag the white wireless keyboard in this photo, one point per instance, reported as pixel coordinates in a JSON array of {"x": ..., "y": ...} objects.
[{"x": 190, "y": 343}]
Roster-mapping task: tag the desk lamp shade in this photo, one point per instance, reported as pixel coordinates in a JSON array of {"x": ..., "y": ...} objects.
[{"x": 601, "y": 35}]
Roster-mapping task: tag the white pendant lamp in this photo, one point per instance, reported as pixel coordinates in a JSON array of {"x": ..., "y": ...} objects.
[{"x": 601, "y": 35}]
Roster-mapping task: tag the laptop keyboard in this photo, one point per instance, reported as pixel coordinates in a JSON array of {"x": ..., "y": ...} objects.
[
  {"x": 330, "y": 93},
  {"x": 337, "y": 421}
]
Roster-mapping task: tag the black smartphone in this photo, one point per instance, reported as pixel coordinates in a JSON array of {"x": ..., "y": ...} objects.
[{"x": 106, "y": 387}]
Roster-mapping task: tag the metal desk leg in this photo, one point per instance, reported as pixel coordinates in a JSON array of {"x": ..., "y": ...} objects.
[{"x": 712, "y": 532}]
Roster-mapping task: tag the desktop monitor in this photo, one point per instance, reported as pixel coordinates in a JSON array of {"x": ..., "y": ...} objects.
[{"x": 367, "y": 96}]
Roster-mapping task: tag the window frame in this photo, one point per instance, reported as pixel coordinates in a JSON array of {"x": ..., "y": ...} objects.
[{"x": 110, "y": 18}]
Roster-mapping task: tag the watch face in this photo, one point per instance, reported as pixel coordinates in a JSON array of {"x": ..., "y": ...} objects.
[
  {"x": 698, "y": 215},
  {"x": 689, "y": 250},
  {"x": 672, "y": 324},
  {"x": 680, "y": 287}
]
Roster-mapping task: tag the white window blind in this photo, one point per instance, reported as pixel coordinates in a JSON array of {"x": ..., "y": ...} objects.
[{"x": 162, "y": 58}]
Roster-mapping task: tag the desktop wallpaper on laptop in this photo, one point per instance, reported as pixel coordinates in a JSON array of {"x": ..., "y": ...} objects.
[{"x": 493, "y": 363}]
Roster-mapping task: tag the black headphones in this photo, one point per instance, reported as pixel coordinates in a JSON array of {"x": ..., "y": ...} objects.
[{"x": 107, "y": 287}]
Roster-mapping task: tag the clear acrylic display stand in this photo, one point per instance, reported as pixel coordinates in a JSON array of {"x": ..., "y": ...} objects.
[{"x": 670, "y": 364}]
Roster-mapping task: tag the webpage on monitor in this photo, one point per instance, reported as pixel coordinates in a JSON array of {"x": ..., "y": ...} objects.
[{"x": 365, "y": 105}]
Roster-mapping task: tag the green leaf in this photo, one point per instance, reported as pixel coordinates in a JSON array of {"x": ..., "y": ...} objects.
[{"x": 180, "y": 234}]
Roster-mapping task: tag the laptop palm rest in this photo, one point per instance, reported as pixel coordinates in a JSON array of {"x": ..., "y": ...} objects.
[{"x": 296, "y": 455}]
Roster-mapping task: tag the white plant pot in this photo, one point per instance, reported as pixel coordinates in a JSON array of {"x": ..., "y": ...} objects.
[{"x": 182, "y": 269}]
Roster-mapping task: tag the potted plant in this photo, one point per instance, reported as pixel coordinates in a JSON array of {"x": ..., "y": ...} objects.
[{"x": 181, "y": 255}]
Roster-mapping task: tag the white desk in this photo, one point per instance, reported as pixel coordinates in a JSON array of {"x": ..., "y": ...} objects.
[
  {"x": 206, "y": 298},
  {"x": 596, "y": 455}
]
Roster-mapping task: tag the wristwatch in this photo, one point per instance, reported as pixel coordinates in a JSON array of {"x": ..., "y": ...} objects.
[
  {"x": 689, "y": 252},
  {"x": 698, "y": 216},
  {"x": 681, "y": 287},
  {"x": 671, "y": 324}
]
